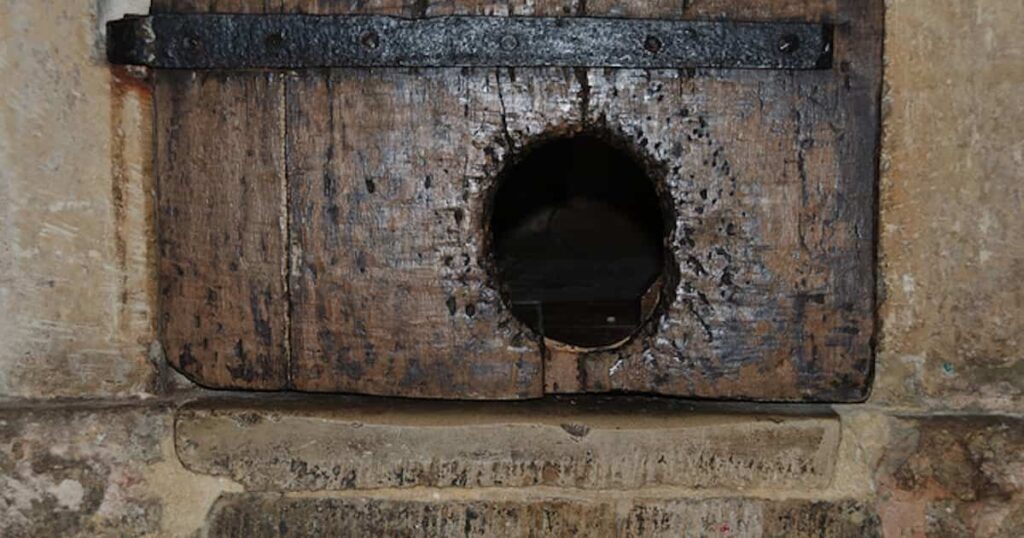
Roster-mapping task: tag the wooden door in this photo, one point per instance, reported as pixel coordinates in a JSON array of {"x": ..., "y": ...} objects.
[{"x": 329, "y": 229}]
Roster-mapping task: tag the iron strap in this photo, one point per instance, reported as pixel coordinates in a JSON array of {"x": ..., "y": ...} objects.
[{"x": 288, "y": 41}]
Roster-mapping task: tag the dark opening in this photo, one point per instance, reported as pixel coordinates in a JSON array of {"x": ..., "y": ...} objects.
[{"x": 578, "y": 239}]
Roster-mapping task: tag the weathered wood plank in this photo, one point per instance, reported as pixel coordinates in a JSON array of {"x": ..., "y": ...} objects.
[
  {"x": 772, "y": 177},
  {"x": 751, "y": 167},
  {"x": 220, "y": 173},
  {"x": 406, "y": 8},
  {"x": 804, "y": 10},
  {"x": 661, "y": 9},
  {"x": 387, "y": 170},
  {"x": 217, "y": 6}
]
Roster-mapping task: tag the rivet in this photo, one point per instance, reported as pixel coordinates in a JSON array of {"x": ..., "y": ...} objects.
[
  {"x": 274, "y": 40},
  {"x": 370, "y": 39},
  {"x": 789, "y": 44},
  {"x": 509, "y": 42},
  {"x": 652, "y": 44},
  {"x": 191, "y": 44}
]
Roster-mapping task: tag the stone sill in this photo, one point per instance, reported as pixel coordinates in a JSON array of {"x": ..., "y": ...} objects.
[{"x": 340, "y": 443}]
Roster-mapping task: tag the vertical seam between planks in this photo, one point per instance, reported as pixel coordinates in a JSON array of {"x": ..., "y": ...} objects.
[
  {"x": 286, "y": 230},
  {"x": 163, "y": 375}
]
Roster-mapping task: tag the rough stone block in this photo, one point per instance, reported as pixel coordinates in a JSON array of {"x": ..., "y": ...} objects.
[
  {"x": 79, "y": 473},
  {"x": 954, "y": 476},
  {"x": 75, "y": 285},
  {"x": 951, "y": 220},
  {"x": 98, "y": 470},
  {"x": 749, "y": 517},
  {"x": 371, "y": 443},
  {"x": 263, "y": 515}
]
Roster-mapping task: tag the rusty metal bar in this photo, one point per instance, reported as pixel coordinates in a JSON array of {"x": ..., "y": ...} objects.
[{"x": 286, "y": 41}]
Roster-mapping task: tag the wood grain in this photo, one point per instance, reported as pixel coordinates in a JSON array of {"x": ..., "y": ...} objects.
[
  {"x": 390, "y": 290},
  {"x": 661, "y": 9},
  {"x": 773, "y": 178},
  {"x": 217, "y": 6},
  {"x": 406, "y": 8},
  {"x": 220, "y": 172},
  {"x": 770, "y": 179}
]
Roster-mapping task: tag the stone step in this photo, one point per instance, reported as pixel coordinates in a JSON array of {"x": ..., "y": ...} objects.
[
  {"x": 624, "y": 443},
  {"x": 266, "y": 515}
]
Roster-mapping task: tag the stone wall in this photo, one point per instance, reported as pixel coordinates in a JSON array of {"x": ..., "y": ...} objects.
[{"x": 98, "y": 437}]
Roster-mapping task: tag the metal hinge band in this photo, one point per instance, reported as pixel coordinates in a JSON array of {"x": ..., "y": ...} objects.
[{"x": 287, "y": 41}]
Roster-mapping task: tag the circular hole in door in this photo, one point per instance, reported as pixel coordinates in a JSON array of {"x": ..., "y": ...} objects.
[{"x": 578, "y": 240}]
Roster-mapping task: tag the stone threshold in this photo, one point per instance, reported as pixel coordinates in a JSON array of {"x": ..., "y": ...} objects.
[{"x": 343, "y": 443}]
